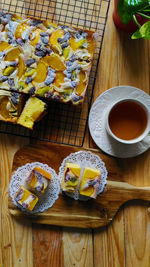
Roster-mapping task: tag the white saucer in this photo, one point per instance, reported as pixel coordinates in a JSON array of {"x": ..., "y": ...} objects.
[{"x": 97, "y": 122}]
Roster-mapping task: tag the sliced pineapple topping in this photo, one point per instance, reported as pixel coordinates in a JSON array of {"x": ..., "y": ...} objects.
[
  {"x": 11, "y": 104},
  {"x": 45, "y": 59}
]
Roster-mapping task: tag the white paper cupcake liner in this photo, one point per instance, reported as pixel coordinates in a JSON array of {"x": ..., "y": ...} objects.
[
  {"x": 84, "y": 159},
  {"x": 46, "y": 200}
]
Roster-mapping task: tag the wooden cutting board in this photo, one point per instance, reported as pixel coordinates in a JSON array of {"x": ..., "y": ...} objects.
[{"x": 67, "y": 211}]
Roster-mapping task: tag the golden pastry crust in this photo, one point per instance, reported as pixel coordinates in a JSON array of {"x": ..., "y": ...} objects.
[{"x": 45, "y": 59}]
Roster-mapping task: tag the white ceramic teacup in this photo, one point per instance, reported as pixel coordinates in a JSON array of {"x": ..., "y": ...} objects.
[{"x": 145, "y": 135}]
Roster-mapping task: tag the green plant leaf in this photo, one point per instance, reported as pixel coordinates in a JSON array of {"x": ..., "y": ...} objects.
[
  {"x": 127, "y": 8},
  {"x": 143, "y": 32}
]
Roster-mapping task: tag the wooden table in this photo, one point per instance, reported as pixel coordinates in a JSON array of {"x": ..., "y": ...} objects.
[{"x": 125, "y": 242}]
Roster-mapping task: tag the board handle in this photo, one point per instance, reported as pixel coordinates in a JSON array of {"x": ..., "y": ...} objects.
[{"x": 127, "y": 191}]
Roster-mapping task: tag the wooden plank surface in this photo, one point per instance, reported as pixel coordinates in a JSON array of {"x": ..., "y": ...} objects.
[
  {"x": 16, "y": 238},
  {"x": 125, "y": 62}
]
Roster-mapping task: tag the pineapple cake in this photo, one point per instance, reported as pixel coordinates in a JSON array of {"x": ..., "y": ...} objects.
[
  {"x": 45, "y": 59},
  {"x": 38, "y": 180},
  {"x": 71, "y": 177},
  {"x": 26, "y": 199}
]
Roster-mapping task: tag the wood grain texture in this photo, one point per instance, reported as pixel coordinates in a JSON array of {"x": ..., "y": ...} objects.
[
  {"x": 16, "y": 237},
  {"x": 77, "y": 248},
  {"x": 109, "y": 244},
  {"x": 136, "y": 217},
  {"x": 67, "y": 211},
  {"x": 135, "y": 71},
  {"x": 48, "y": 246},
  {"x": 125, "y": 62}
]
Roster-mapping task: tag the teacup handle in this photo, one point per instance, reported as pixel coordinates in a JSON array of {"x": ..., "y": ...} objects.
[{"x": 146, "y": 140}]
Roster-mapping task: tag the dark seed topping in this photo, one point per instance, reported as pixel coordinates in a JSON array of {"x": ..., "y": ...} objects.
[
  {"x": 16, "y": 95},
  {"x": 38, "y": 46},
  {"x": 14, "y": 100},
  {"x": 63, "y": 27},
  {"x": 74, "y": 84},
  {"x": 60, "y": 40},
  {"x": 2, "y": 54},
  {"x": 5, "y": 18},
  {"x": 67, "y": 36},
  {"x": 28, "y": 80},
  {"x": 10, "y": 35},
  {"x": 30, "y": 61},
  {"x": 13, "y": 64},
  {"x": 3, "y": 78},
  {"x": 39, "y": 176},
  {"x": 80, "y": 34},
  {"x": 31, "y": 90},
  {"x": 20, "y": 41},
  {"x": 77, "y": 98},
  {"x": 35, "y": 22},
  {"x": 44, "y": 34},
  {"x": 73, "y": 58},
  {"x": 68, "y": 74},
  {"x": 69, "y": 63},
  {"x": 10, "y": 41},
  {"x": 49, "y": 80},
  {"x": 45, "y": 40},
  {"x": 40, "y": 53},
  {"x": 49, "y": 95},
  {"x": 64, "y": 45},
  {"x": 11, "y": 82},
  {"x": 50, "y": 71},
  {"x": 92, "y": 182},
  {"x": 44, "y": 49}
]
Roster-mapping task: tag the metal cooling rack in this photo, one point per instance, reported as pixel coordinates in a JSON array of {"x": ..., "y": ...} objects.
[{"x": 64, "y": 123}]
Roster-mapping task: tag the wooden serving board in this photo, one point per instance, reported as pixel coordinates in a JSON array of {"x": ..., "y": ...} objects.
[{"x": 67, "y": 211}]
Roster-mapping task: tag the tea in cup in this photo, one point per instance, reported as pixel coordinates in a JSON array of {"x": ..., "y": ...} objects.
[{"x": 128, "y": 121}]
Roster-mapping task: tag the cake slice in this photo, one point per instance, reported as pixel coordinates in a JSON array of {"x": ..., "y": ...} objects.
[
  {"x": 71, "y": 177},
  {"x": 33, "y": 111},
  {"x": 11, "y": 105},
  {"x": 45, "y": 59},
  {"x": 90, "y": 182},
  {"x": 26, "y": 199},
  {"x": 38, "y": 180}
]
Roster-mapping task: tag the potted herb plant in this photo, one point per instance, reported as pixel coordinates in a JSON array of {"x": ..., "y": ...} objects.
[{"x": 133, "y": 16}]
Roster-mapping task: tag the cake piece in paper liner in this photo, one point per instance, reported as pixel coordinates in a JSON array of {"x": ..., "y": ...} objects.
[
  {"x": 90, "y": 182},
  {"x": 38, "y": 180},
  {"x": 71, "y": 177},
  {"x": 26, "y": 199}
]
